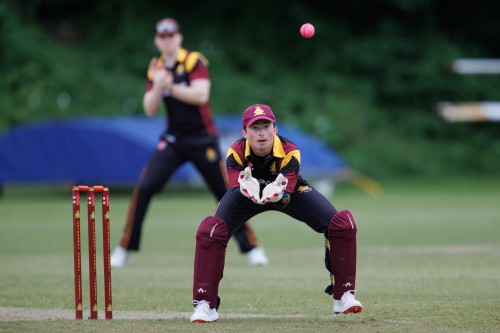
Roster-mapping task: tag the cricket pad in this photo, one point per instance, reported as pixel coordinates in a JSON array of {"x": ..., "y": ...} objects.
[
  {"x": 211, "y": 243},
  {"x": 342, "y": 237}
]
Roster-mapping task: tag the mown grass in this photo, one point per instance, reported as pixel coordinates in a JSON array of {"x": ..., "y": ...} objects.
[{"x": 428, "y": 258}]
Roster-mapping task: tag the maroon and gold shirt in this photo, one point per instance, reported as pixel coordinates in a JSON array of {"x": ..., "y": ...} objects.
[
  {"x": 284, "y": 159},
  {"x": 186, "y": 120}
]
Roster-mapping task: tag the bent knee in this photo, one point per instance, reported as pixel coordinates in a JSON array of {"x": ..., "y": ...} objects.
[
  {"x": 343, "y": 221},
  {"x": 213, "y": 228}
]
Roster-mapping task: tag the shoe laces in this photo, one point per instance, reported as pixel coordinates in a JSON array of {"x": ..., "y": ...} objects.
[
  {"x": 201, "y": 303},
  {"x": 350, "y": 293}
]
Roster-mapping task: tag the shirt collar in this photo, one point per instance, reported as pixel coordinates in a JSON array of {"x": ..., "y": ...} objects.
[
  {"x": 181, "y": 57},
  {"x": 278, "y": 150}
]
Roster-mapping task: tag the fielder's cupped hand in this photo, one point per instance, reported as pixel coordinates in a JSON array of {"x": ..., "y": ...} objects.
[
  {"x": 274, "y": 192},
  {"x": 162, "y": 78},
  {"x": 249, "y": 186}
]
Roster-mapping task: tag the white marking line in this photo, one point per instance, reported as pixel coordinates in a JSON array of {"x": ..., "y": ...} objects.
[
  {"x": 402, "y": 322},
  {"x": 452, "y": 249},
  {"x": 29, "y": 314}
]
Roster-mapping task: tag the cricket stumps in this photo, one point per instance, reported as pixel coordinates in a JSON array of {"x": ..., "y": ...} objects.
[{"x": 106, "y": 235}]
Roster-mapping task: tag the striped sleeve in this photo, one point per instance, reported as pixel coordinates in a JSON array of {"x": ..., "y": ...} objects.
[
  {"x": 290, "y": 168},
  {"x": 234, "y": 165}
]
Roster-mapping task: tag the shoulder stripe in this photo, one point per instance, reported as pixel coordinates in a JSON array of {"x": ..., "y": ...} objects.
[
  {"x": 288, "y": 157},
  {"x": 237, "y": 158},
  {"x": 192, "y": 60}
]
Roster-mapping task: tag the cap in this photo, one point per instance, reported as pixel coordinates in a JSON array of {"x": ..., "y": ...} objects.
[
  {"x": 167, "y": 26},
  {"x": 257, "y": 112}
]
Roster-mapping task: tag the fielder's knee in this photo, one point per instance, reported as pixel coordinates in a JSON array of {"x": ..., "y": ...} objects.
[
  {"x": 212, "y": 229},
  {"x": 342, "y": 222}
]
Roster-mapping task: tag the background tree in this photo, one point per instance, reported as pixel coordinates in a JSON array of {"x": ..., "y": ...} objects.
[{"x": 367, "y": 83}]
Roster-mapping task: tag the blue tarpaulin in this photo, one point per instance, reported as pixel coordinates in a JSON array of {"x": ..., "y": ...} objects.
[{"x": 114, "y": 150}]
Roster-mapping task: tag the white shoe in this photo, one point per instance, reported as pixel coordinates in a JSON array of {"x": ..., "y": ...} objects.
[
  {"x": 203, "y": 313},
  {"x": 347, "y": 304},
  {"x": 257, "y": 257},
  {"x": 120, "y": 257}
]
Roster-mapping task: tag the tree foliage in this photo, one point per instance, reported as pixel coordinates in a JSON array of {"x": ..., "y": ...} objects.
[{"x": 367, "y": 83}]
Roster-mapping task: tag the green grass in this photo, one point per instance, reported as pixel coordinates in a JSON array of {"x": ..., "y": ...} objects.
[{"x": 428, "y": 261}]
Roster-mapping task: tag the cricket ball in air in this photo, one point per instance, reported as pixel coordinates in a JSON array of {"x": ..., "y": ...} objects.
[{"x": 307, "y": 30}]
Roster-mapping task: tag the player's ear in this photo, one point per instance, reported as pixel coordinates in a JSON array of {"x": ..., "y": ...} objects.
[
  {"x": 275, "y": 129},
  {"x": 244, "y": 133}
]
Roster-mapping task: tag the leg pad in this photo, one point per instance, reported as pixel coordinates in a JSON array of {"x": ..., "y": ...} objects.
[
  {"x": 211, "y": 243},
  {"x": 342, "y": 237}
]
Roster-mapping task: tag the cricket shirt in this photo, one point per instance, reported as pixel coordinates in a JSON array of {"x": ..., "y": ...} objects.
[
  {"x": 186, "y": 120},
  {"x": 284, "y": 159}
]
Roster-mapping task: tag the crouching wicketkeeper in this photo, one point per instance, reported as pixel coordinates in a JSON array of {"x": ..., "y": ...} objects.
[{"x": 263, "y": 171}]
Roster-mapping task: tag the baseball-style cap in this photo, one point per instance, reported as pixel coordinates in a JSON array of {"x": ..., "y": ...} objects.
[
  {"x": 167, "y": 26},
  {"x": 257, "y": 112}
]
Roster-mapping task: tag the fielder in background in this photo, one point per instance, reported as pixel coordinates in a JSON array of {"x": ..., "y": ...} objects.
[
  {"x": 263, "y": 171},
  {"x": 181, "y": 79}
]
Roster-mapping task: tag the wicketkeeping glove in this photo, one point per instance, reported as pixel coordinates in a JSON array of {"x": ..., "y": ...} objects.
[
  {"x": 249, "y": 186},
  {"x": 274, "y": 192}
]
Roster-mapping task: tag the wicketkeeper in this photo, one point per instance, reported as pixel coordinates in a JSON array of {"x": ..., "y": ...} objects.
[{"x": 263, "y": 171}]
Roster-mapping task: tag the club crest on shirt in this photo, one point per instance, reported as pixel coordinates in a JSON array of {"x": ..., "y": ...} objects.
[
  {"x": 303, "y": 189},
  {"x": 272, "y": 169},
  {"x": 211, "y": 154}
]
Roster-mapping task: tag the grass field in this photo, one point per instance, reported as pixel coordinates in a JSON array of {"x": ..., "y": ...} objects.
[{"x": 428, "y": 261}]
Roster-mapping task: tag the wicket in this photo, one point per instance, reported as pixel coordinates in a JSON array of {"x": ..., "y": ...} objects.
[{"x": 92, "y": 250}]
